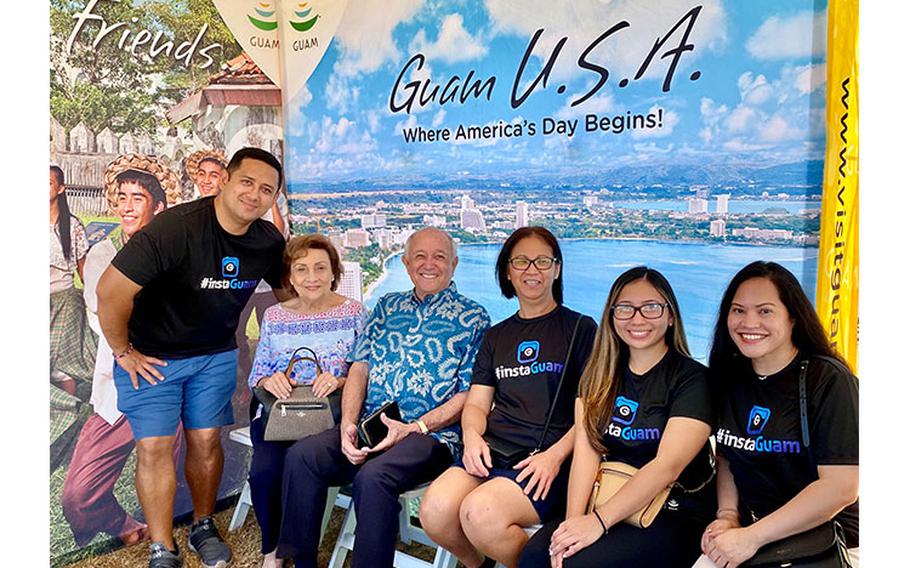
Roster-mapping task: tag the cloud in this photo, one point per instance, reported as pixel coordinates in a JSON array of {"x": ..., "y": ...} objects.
[
  {"x": 625, "y": 51},
  {"x": 296, "y": 118},
  {"x": 669, "y": 120},
  {"x": 754, "y": 91},
  {"x": 740, "y": 119},
  {"x": 773, "y": 113},
  {"x": 340, "y": 95},
  {"x": 343, "y": 137},
  {"x": 454, "y": 43},
  {"x": 438, "y": 118},
  {"x": 806, "y": 78},
  {"x": 777, "y": 129},
  {"x": 365, "y": 37},
  {"x": 801, "y": 35}
]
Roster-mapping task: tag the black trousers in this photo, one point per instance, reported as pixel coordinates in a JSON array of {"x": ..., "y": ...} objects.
[
  {"x": 672, "y": 541},
  {"x": 314, "y": 464},
  {"x": 266, "y": 468}
]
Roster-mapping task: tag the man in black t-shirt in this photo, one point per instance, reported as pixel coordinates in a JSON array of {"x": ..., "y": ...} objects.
[{"x": 168, "y": 306}]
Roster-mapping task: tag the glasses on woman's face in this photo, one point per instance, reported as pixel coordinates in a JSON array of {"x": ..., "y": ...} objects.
[
  {"x": 650, "y": 311},
  {"x": 541, "y": 262}
]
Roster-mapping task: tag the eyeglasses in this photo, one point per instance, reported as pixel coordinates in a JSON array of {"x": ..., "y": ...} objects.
[
  {"x": 647, "y": 311},
  {"x": 541, "y": 262}
]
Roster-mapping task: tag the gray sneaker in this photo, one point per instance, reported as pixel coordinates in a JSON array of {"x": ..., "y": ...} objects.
[
  {"x": 164, "y": 558},
  {"x": 208, "y": 544}
]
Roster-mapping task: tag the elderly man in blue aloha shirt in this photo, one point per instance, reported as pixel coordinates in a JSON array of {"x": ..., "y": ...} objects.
[{"x": 417, "y": 349}]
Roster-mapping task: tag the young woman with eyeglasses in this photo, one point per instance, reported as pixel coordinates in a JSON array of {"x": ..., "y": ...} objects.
[
  {"x": 770, "y": 485},
  {"x": 644, "y": 402},
  {"x": 479, "y": 507},
  {"x": 316, "y": 317}
]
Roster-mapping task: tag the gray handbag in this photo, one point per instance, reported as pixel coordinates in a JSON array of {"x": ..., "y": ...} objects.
[{"x": 302, "y": 414}]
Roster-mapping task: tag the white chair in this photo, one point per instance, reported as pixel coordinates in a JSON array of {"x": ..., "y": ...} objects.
[
  {"x": 528, "y": 531},
  {"x": 242, "y": 509},
  {"x": 409, "y": 533}
]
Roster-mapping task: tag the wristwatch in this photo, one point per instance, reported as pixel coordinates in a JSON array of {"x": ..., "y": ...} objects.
[{"x": 422, "y": 425}]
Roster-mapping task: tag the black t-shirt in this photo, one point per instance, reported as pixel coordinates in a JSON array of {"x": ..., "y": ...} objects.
[
  {"x": 196, "y": 278},
  {"x": 523, "y": 359},
  {"x": 675, "y": 386},
  {"x": 759, "y": 432}
]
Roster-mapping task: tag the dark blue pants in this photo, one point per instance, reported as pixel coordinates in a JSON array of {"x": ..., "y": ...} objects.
[
  {"x": 314, "y": 464},
  {"x": 265, "y": 483}
]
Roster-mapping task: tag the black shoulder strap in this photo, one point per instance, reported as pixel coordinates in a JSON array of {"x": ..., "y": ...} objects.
[
  {"x": 803, "y": 404},
  {"x": 562, "y": 375}
]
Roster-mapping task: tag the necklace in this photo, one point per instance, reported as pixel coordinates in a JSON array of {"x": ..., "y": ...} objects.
[{"x": 762, "y": 377}]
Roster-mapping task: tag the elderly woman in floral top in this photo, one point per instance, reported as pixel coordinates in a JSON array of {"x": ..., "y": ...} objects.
[{"x": 318, "y": 318}]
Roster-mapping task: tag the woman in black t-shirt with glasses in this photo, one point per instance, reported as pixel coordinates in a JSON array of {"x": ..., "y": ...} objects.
[
  {"x": 480, "y": 506},
  {"x": 646, "y": 403},
  {"x": 770, "y": 485}
]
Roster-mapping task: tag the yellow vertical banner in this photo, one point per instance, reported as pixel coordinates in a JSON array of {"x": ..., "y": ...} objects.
[{"x": 837, "y": 292}]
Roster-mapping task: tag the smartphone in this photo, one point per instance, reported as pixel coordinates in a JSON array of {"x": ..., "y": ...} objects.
[{"x": 372, "y": 429}]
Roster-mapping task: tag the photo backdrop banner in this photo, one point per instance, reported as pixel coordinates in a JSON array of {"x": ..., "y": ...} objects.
[
  {"x": 689, "y": 136},
  {"x": 686, "y": 135}
]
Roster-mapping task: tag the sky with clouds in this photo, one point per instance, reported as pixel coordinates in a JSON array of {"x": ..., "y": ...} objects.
[{"x": 758, "y": 98}]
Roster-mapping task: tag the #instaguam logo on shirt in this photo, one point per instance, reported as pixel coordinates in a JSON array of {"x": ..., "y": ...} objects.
[
  {"x": 230, "y": 270},
  {"x": 526, "y": 357},
  {"x": 624, "y": 412},
  {"x": 759, "y": 417}
]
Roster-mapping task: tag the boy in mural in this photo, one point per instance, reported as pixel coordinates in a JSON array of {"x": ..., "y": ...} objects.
[
  {"x": 207, "y": 170},
  {"x": 168, "y": 306},
  {"x": 106, "y": 440}
]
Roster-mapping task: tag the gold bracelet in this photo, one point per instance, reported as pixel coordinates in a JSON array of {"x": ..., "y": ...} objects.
[
  {"x": 726, "y": 510},
  {"x": 422, "y": 425}
]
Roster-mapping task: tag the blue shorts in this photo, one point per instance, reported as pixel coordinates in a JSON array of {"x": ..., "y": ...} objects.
[
  {"x": 196, "y": 390},
  {"x": 554, "y": 504}
]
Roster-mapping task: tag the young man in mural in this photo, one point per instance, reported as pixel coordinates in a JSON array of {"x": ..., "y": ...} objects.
[
  {"x": 168, "y": 306},
  {"x": 429, "y": 380},
  {"x": 209, "y": 174},
  {"x": 106, "y": 440}
]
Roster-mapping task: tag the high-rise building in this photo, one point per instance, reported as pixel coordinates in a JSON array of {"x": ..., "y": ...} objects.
[
  {"x": 472, "y": 219},
  {"x": 373, "y": 220},
  {"x": 589, "y": 201},
  {"x": 466, "y": 202},
  {"x": 384, "y": 239},
  {"x": 723, "y": 204},
  {"x": 351, "y": 284},
  {"x": 356, "y": 238},
  {"x": 521, "y": 214},
  {"x": 718, "y": 228},
  {"x": 698, "y": 205}
]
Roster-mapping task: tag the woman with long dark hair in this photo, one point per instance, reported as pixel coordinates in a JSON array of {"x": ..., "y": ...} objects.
[
  {"x": 643, "y": 402},
  {"x": 527, "y": 370},
  {"x": 72, "y": 345},
  {"x": 768, "y": 340}
]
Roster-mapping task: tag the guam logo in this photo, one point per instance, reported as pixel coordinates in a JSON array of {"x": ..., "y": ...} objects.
[
  {"x": 528, "y": 351},
  {"x": 307, "y": 19},
  {"x": 265, "y": 18},
  {"x": 758, "y": 418},
  {"x": 230, "y": 267}
]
